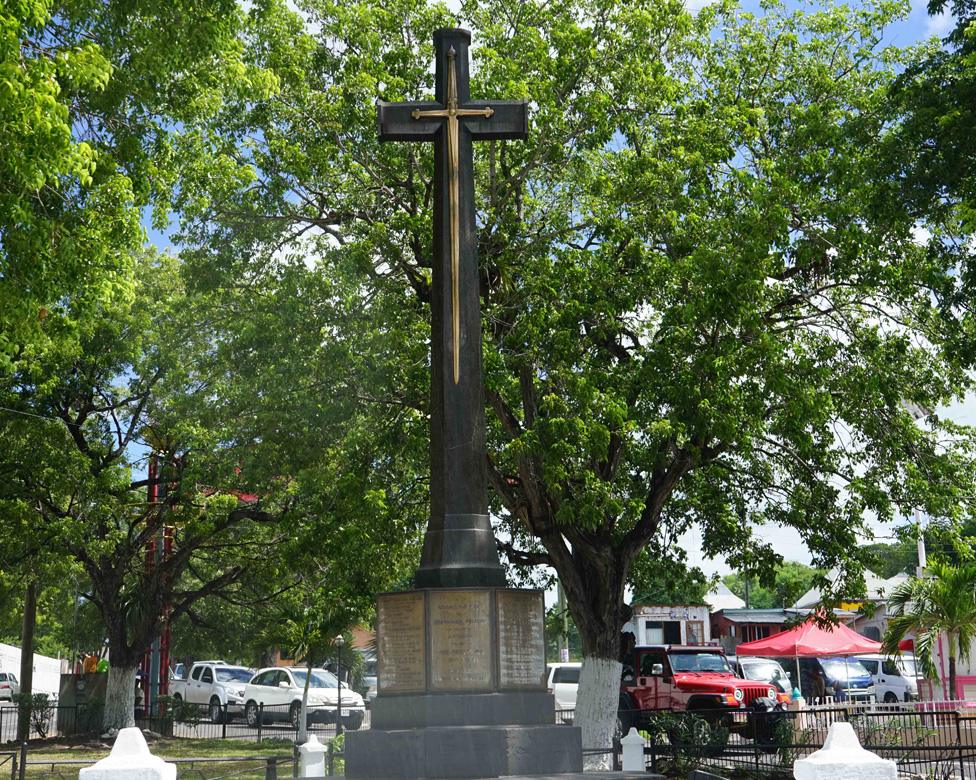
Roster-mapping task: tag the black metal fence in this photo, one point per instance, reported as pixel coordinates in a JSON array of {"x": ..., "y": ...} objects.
[
  {"x": 936, "y": 745},
  {"x": 253, "y": 722},
  {"x": 180, "y": 719},
  {"x": 8, "y": 764}
]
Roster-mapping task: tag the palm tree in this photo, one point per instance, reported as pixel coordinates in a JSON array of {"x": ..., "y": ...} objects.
[
  {"x": 306, "y": 624},
  {"x": 943, "y": 601}
]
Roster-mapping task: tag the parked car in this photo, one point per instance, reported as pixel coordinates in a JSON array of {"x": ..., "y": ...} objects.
[
  {"x": 686, "y": 678},
  {"x": 563, "y": 684},
  {"x": 843, "y": 678},
  {"x": 279, "y": 689},
  {"x": 9, "y": 686},
  {"x": 218, "y": 685},
  {"x": 765, "y": 670},
  {"x": 895, "y": 679}
]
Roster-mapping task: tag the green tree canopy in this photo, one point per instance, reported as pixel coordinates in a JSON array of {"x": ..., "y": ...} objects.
[
  {"x": 90, "y": 110},
  {"x": 657, "y": 577},
  {"x": 933, "y": 154},
  {"x": 790, "y": 580}
]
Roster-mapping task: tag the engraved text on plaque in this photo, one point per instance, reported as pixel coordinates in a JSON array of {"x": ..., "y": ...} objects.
[
  {"x": 460, "y": 640},
  {"x": 521, "y": 647},
  {"x": 401, "y": 644}
]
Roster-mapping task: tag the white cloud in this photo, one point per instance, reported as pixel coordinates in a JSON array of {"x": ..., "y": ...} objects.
[
  {"x": 921, "y": 235},
  {"x": 940, "y": 24}
]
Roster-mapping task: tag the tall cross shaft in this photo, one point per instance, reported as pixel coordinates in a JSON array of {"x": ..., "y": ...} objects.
[{"x": 459, "y": 547}]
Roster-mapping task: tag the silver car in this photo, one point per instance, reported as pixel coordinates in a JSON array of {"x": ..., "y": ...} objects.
[{"x": 9, "y": 686}]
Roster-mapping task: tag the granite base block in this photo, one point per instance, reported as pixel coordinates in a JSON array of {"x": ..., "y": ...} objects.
[
  {"x": 573, "y": 776},
  {"x": 462, "y": 752},
  {"x": 528, "y": 708}
]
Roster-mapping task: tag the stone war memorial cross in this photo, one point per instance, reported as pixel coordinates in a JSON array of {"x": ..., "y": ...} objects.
[
  {"x": 462, "y": 691},
  {"x": 459, "y": 548}
]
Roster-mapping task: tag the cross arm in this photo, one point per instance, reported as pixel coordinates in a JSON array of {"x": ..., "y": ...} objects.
[
  {"x": 510, "y": 120},
  {"x": 396, "y": 121}
]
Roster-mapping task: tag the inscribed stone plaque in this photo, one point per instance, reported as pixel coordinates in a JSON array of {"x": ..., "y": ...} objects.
[
  {"x": 460, "y": 640},
  {"x": 521, "y": 643},
  {"x": 400, "y": 642}
]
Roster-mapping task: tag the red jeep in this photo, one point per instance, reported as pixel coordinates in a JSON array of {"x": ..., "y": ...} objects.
[{"x": 683, "y": 678}]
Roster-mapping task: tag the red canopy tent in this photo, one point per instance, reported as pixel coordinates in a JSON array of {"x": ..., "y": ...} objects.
[{"x": 809, "y": 640}]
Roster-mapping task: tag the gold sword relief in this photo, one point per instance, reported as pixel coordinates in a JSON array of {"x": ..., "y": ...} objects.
[{"x": 452, "y": 113}]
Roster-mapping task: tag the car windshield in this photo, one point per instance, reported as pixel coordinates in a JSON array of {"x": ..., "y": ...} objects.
[
  {"x": 233, "y": 675},
  {"x": 699, "y": 662},
  {"x": 320, "y": 678},
  {"x": 765, "y": 671},
  {"x": 843, "y": 668}
]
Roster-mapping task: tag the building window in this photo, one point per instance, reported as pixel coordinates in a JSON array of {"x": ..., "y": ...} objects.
[
  {"x": 752, "y": 633},
  {"x": 662, "y": 632},
  {"x": 695, "y": 631}
]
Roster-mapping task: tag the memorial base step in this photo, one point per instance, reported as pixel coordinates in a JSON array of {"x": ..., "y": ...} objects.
[
  {"x": 422, "y": 710},
  {"x": 463, "y": 752}
]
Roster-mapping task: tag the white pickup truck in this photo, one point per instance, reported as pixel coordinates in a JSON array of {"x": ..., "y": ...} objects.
[{"x": 215, "y": 684}]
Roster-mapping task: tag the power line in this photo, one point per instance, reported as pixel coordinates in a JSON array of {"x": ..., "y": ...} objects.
[{"x": 30, "y": 414}]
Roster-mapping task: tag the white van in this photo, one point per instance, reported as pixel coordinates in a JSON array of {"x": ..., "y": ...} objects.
[
  {"x": 563, "y": 683},
  {"x": 895, "y": 679}
]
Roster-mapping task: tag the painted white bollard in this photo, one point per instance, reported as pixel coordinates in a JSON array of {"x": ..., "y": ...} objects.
[
  {"x": 633, "y": 749},
  {"x": 130, "y": 760},
  {"x": 843, "y": 757},
  {"x": 311, "y": 758}
]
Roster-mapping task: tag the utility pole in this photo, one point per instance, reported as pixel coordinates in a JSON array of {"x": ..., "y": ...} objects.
[
  {"x": 563, "y": 622},
  {"x": 918, "y": 413},
  {"x": 27, "y": 659},
  {"x": 920, "y": 570}
]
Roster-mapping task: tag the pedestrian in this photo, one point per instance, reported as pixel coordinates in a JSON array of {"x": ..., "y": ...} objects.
[
  {"x": 140, "y": 699},
  {"x": 818, "y": 684}
]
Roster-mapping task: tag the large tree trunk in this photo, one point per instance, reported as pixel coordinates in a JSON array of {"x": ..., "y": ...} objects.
[
  {"x": 596, "y": 708},
  {"x": 120, "y": 697},
  {"x": 595, "y": 590}
]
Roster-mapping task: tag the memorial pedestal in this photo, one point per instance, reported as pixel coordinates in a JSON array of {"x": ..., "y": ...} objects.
[{"x": 462, "y": 690}]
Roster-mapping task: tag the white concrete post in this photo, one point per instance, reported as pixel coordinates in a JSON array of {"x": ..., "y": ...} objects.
[
  {"x": 130, "y": 760},
  {"x": 311, "y": 759},
  {"x": 843, "y": 756},
  {"x": 633, "y": 750}
]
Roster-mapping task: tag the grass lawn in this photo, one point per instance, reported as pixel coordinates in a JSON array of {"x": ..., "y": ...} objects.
[{"x": 202, "y": 749}]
